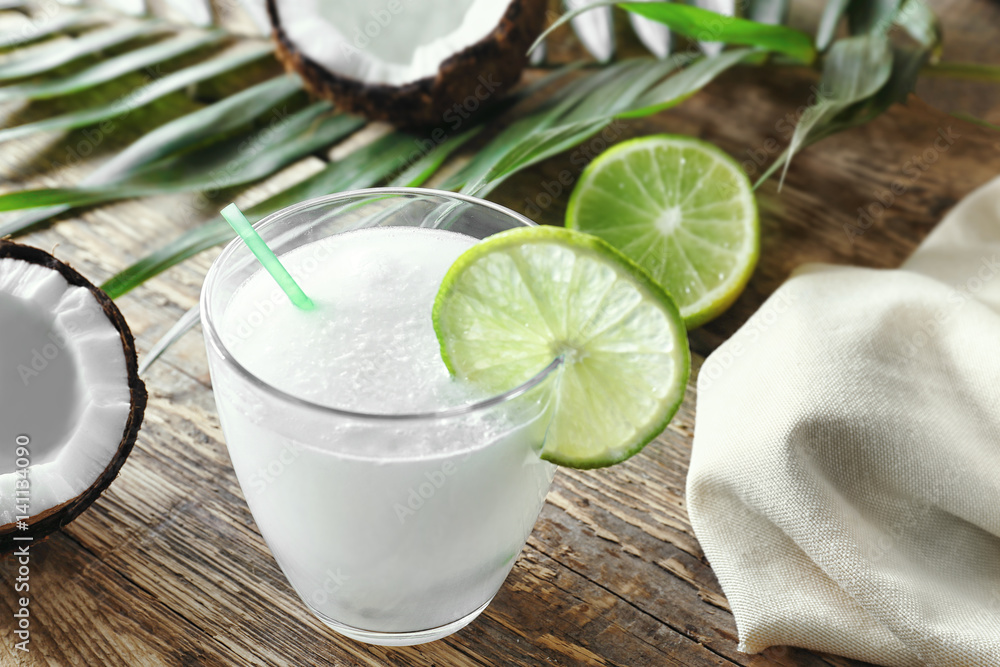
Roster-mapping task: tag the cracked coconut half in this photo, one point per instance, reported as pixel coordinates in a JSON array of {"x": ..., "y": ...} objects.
[
  {"x": 410, "y": 62},
  {"x": 71, "y": 400}
]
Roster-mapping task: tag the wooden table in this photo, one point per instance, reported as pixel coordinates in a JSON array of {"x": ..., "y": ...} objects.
[{"x": 168, "y": 568}]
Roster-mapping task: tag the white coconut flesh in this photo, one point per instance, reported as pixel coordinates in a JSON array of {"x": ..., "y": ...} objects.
[
  {"x": 63, "y": 385},
  {"x": 391, "y": 42}
]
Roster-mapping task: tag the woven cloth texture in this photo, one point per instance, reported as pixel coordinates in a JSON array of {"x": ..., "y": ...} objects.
[{"x": 845, "y": 479}]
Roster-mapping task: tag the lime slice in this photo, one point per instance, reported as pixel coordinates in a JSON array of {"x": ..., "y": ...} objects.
[
  {"x": 680, "y": 208},
  {"x": 514, "y": 302}
]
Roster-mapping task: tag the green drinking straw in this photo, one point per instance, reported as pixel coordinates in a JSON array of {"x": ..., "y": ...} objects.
[{"x": 234, "y": 216}]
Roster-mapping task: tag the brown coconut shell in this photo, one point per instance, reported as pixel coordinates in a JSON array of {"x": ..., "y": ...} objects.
[
  {"x": 499, "y": 57},
  {"x": 43, "y": 524}
]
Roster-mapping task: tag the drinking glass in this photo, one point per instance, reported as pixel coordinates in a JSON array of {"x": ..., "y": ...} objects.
[{"x": 384, "y": 546}]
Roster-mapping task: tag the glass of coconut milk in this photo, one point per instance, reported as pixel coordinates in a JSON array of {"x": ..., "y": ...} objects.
[{"x": 394, "y": 497}]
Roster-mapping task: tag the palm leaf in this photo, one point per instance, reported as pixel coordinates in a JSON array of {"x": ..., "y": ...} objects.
[
  {"x": 907, "y": 63},
  {"x": 768, "y": 11},
  {"x": 224, "y": 116},
  {"x": 854, "y": 70},
  {"x": 726, "y": 8},
  {"x": 214, "y": 232},
  {"x": 685, "y": 83},
  {"x": 219, "y": 165},
  {"x": 969, "y": 118},
  {"x": 829, "y": 21},
  {"x": 417, "y": 173},
  {"x": 477, "y": 168},
  {"x": 920, "y": 22},
  {"x": 363, "y": 168},
  {"x": 555, "y": 110},
  {"x": 586, "y": 109},
  {"x": 113, "y": 67},
  {"x": 247, "y": 157},
  {"x": 60, "y": 24},
  {"x": 543, "y": 144},
  {"x": 620, "y": 92},
  {"x": 871, "y": 15},
  {"x": 696, "y": 22},
  {"x": 967, "y": 71},
  {"x": 594, "y": 25},
  {"x": 864, "y": 75},
  {"x": 654, "y": 36},
  {"x": 50, "y": 56},
  {"x": 142, "y": 96},
  {"x": 633, "y": 103}
]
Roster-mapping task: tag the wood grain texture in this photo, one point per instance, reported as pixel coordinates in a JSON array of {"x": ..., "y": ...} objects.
[{"x": 168, "y": 568}]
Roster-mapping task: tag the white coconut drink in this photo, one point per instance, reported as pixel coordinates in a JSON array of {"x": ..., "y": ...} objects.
[
  {"x": 71, "y": 401},
  {"x": 410, "y": 62}
]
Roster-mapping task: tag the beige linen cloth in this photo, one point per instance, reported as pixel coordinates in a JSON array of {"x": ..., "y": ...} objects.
[{"x": 845, "y": 480}]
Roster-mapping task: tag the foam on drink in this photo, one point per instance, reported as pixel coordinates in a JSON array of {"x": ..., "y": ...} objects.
[
  {"x": 381, "y": 525},
  {"x": 369, "y": 346}
]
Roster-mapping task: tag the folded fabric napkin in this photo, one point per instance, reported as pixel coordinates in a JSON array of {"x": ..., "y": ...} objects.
[{"x": 845, "y": 480}]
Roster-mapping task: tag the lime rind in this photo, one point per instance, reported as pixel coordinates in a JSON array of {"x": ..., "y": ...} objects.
[
  {"x": 512, "y": 303},
  {"x": 705, "y": 199}
]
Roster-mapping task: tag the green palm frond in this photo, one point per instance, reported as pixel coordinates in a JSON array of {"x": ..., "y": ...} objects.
[
  {"x": 56, "y": 26},
  {"x": 862, "y": 75},
  {"x": 112, "y": 68},
  {"x": 206, "y": 124},
  {"x": 696, "y": 23},
  {"x": 363, "y": 168},
  {"x": 150, "y": 92},
  {"x": 244, "y": 158},
  {"x": 629, "y": 89},
  {"x": 768, "y": 11},
  {"x": 46, "y": 58},
  {"x": 857, "y": 68},
  {"x": 828, "y": 22}
]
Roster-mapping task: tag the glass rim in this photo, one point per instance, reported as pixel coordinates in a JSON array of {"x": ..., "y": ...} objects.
[{"x": 226, "y": 355}]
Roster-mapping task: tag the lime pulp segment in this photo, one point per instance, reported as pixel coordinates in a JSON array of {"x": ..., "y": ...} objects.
[
  {"x": 680, "y": 208},
  {"x": 514, "y": 302}
]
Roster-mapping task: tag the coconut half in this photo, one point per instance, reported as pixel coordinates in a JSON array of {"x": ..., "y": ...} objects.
[
  {"x": 410, "y": 62},
  {"x": 71, "y": 400}
]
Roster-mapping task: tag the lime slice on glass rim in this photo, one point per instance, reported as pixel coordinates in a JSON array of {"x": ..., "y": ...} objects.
[
  {"x": 515, "y": 301},
  {"x": 680, "y": 208}
]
